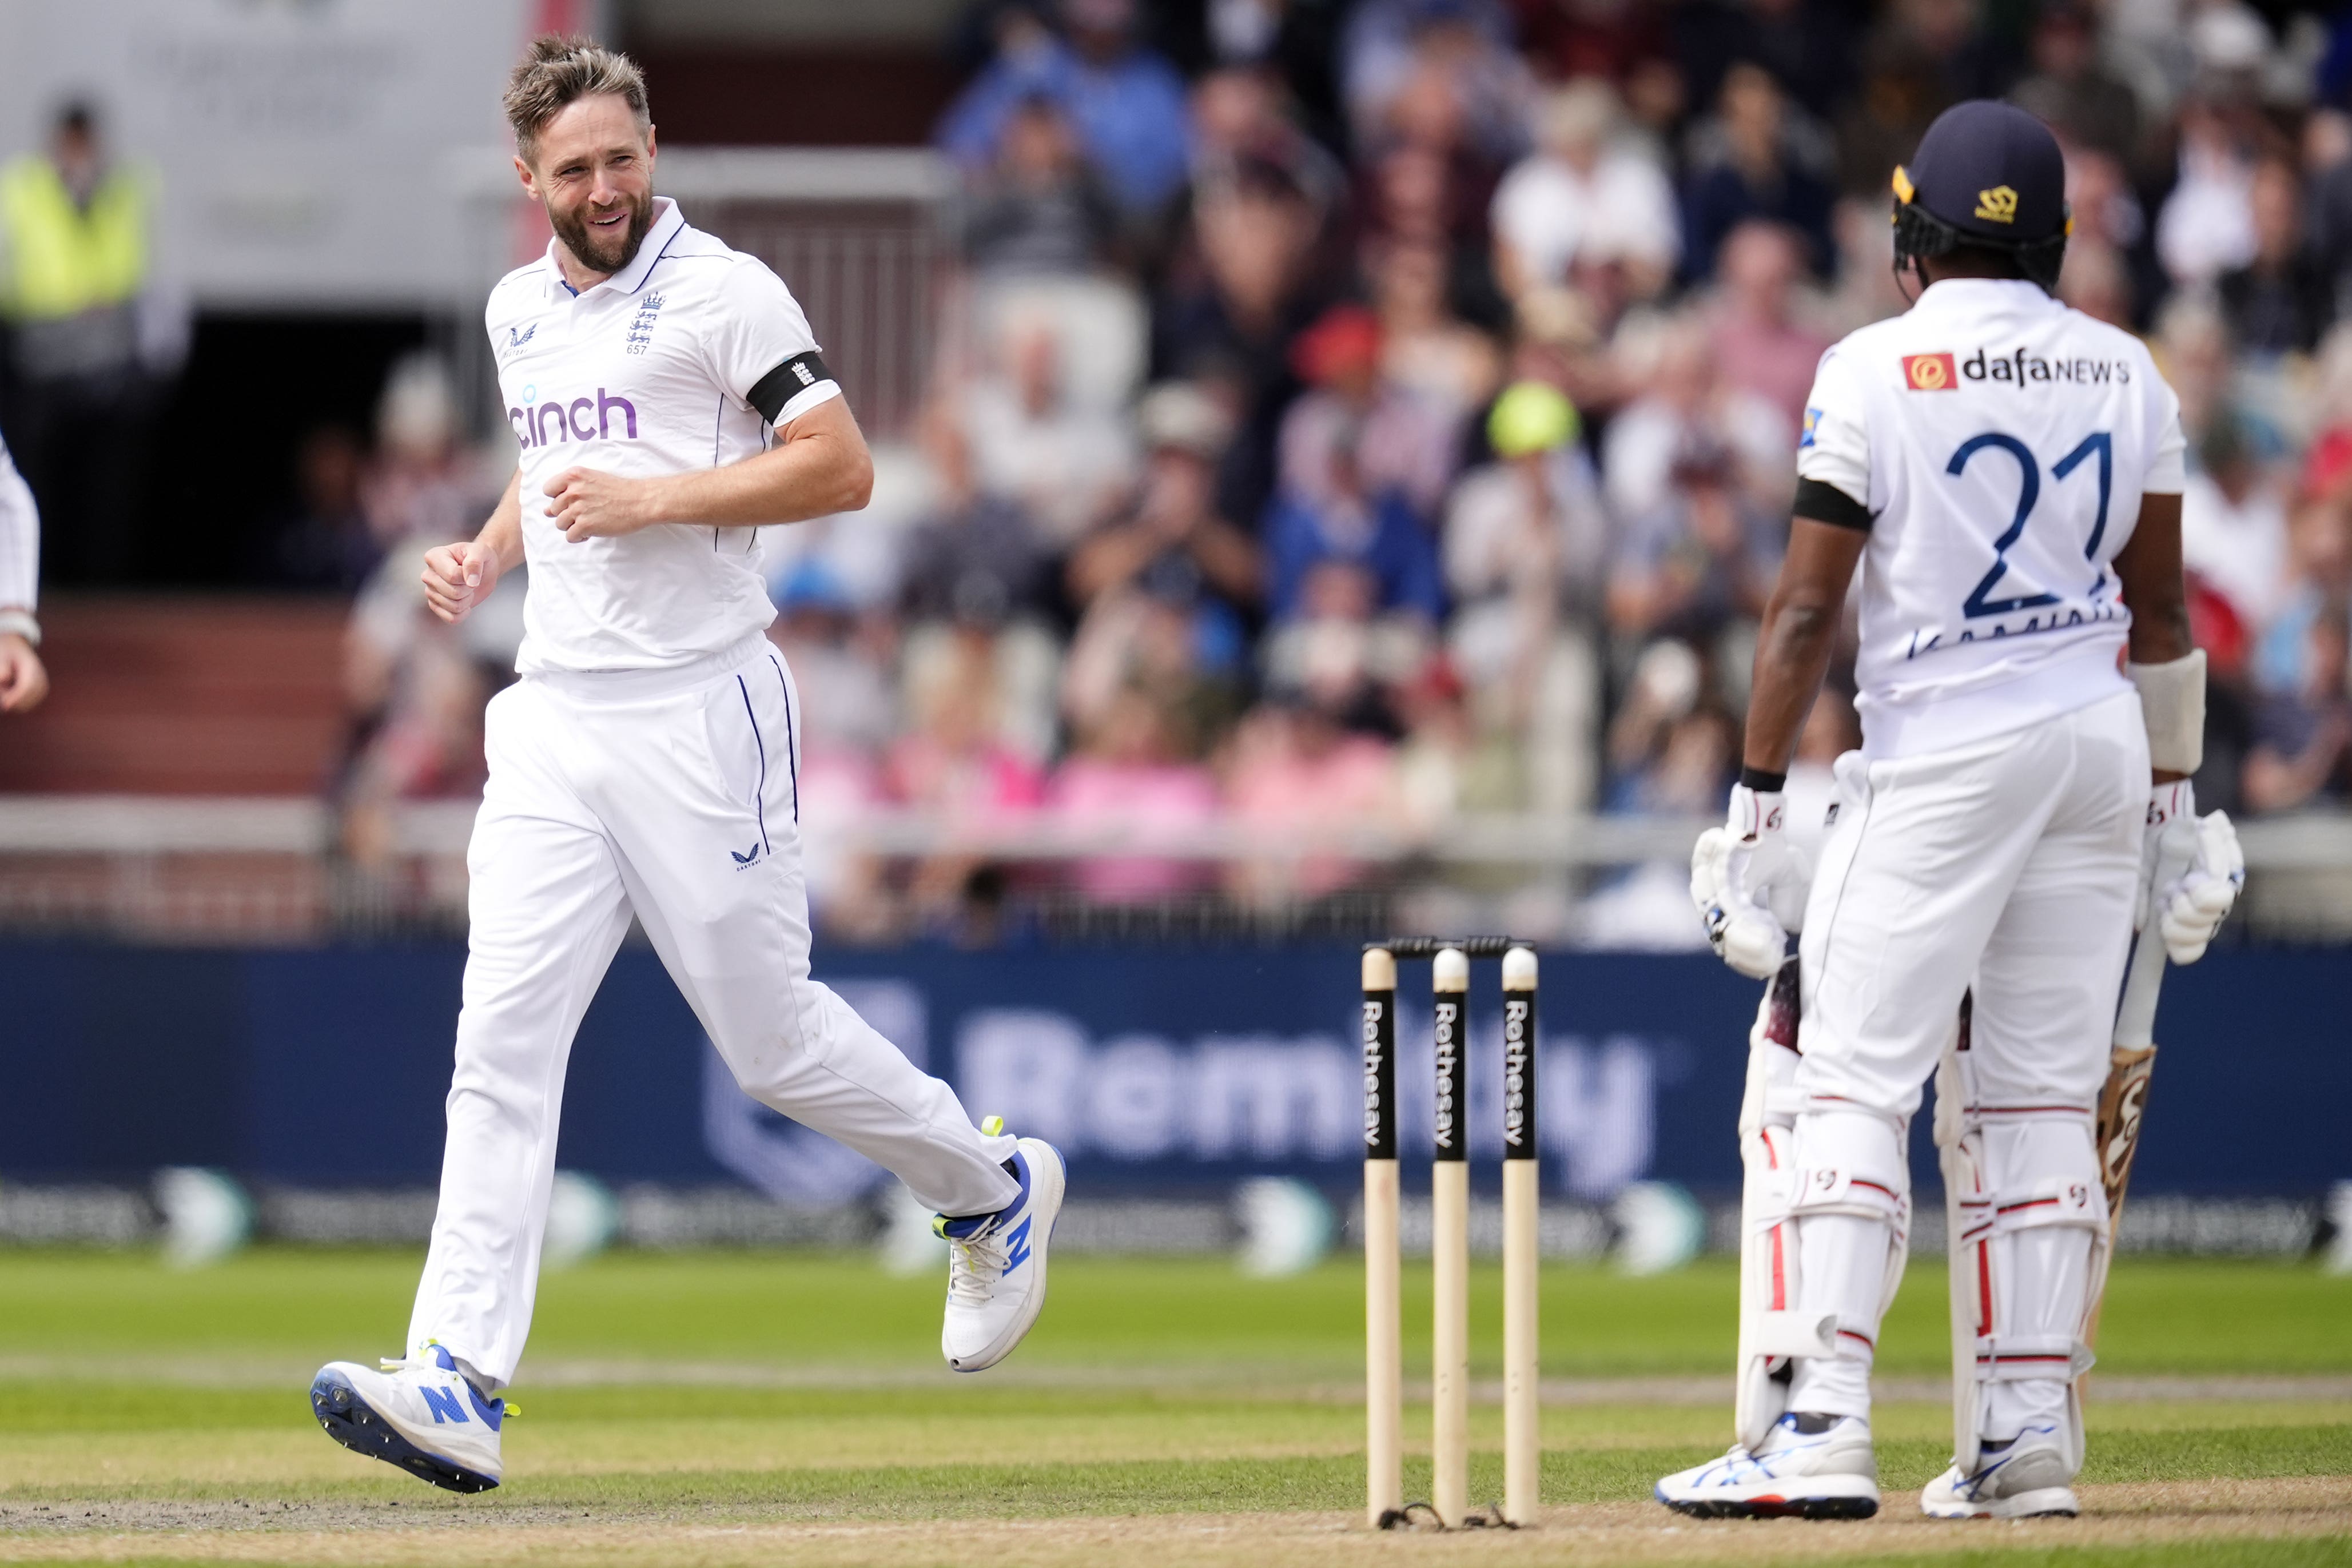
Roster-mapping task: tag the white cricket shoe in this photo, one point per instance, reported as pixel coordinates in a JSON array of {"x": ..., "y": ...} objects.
[
  {"x": 996, "y": 1262},
  {"x": 1809, "y": 1466},
  {"x": 2027, "y": 1478},
  {"x": 420, "y": 1414}
]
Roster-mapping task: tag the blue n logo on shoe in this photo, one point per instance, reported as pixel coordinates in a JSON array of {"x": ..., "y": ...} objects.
[
  {"x": 445, "y": 1405},
  {"x": 1016, "y": 1247}
]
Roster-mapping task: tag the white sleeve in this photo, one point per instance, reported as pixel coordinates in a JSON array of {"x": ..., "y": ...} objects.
[
  {"x": 1834, "y": 448},
  {"x": 20, "y": 540},
  {"x": 761, "y": 349},
  {"x": 2168, "y": 450}
]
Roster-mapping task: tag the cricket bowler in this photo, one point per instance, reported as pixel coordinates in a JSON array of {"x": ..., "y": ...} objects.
[
  {"x": 2007, "y": 472},
  {"x": 670, "y": 404}
]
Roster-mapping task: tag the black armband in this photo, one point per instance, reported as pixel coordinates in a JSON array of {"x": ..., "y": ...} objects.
[
  {"x": 787, "y": 382},
  {"x": 1761, "y": 782},
  {"x": 1824, "y": 503}
]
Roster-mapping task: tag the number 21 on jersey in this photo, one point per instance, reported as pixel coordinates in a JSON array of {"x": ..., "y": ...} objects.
[{"x": 1980, "y": 603}]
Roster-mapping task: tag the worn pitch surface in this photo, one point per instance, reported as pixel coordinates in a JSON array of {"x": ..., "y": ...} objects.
[{"x": 790, "y": 1409}]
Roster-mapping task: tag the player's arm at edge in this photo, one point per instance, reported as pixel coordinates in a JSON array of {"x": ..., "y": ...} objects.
[
  {"x": 818, "y": 468},
  {"x": 2148, "y": 566},
  {"x": 459, "y": 576},
  {"x": 1800, "y": 627}
]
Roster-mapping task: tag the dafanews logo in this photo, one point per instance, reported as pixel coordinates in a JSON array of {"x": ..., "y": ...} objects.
[
  {"x": 2019, "y": 367},
  {"x": 1930, "y": 372}
]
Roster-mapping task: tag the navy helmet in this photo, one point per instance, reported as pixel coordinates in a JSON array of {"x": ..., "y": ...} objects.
[{"x": 1986, "y": 175}]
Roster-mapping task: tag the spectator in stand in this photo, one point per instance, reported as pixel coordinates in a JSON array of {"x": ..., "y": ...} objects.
[
  {"x": 1166, "y": 590},
  {"x": 1329, "y": 510},
  {"x": 2283, "y": 298},
  {"x": 1406, "y": 440},
  {"x": 1700, "y": 567},
  {"x": 1759, "y": 345},
  {"x": 1244, "y": 286},
  {"x": 1295, "y": 772},
  {"x": 1689, "y": 407},
  {"x": 2193, "y": 349},
  {"x": 1427, "y": 350},
  {"x": 1062, "y": 461},
  {"x": 1039, "y": 208},
  {"x": 326, "y": 542},
  {"x": 2068, "y": 87},
  {"x": 2327, "y": 153},
  {"x": 2233, "y": 522},
  {"x": 1585, "y": 200},
  {"x": 1753, "y": 171},
  {"x": 1526, "y": 552},
  {"x": 1171, "y": 528},
  {"x": 1131, "y": 782},
  {"x": 1807, "y": 45},
  {"x": 1244, "y": 112},
  {"x": 2206, "y": 227},
  {"x": 1917, "y": 59},
  {"x": 1625, "y": 43},
  {"x": 1466, "y": 43},
  {"x": 1126, "y": 103},
  {"x": 424, "y": 484},
  {"x": 2301, "y": 754},
  {"x": 979, "y": 598},
  {"x": 978, "y": 557},
  {"x": 2319, "y": 567}
]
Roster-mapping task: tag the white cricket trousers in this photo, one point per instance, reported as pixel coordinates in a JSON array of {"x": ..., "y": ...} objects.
[
  {"x": 671, "y": 796},
  {"x": 2007, "y": 869}
]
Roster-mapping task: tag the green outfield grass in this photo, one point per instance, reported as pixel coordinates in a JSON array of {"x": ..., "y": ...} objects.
[
  {"x": 757, "y": 1390},
  {"x": 2167, "y": 1316}
]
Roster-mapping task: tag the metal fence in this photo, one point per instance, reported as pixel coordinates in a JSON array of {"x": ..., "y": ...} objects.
[{"x": 264, "y": 870}]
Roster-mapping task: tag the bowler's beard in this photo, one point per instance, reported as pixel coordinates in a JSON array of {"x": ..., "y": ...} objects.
[{"x": 597, "y": 253}]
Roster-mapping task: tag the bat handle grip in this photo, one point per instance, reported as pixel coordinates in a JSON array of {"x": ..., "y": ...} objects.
[{"x": 2136, "y": 1013}]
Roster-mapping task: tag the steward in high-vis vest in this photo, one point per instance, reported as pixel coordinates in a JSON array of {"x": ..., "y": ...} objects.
[
  {"x": 77, "y": 265},
  {"x": 76, "y": 247}
]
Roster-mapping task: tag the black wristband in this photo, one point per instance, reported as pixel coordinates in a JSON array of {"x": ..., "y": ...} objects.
[{"x": 1761, "y": 782}]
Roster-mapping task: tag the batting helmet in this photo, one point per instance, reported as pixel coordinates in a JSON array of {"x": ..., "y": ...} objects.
[{"x": 1986, "y": 175}]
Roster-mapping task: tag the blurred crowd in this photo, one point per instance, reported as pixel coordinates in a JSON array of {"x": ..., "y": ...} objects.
[{"x": 1382, "y": 414}]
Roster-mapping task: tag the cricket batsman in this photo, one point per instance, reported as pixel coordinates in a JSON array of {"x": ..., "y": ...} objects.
[
  {"x": 2008, "y": 473},
  {"x": 670, "y": 404}
]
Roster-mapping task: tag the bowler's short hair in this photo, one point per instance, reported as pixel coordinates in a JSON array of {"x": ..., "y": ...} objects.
[{"x": 561, "y": 70}]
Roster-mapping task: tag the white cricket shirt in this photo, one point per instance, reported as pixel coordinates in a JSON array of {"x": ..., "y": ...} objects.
[
  {"x": 20, "y": 539},
  {"x": 1999, "y": 443},
  {"x": 687, "y": 358}
]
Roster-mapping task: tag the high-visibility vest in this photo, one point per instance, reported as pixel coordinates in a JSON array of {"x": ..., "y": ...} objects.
[{"x": 63, "y": 259}]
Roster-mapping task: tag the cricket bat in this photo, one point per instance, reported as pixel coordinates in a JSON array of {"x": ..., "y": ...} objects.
[{"x": 2131, "y": 1059}]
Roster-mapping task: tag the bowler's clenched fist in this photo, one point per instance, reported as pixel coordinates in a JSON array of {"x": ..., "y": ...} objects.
[
  {"x": 588, "y": 503},
  {"x": 459, "y": 576}
]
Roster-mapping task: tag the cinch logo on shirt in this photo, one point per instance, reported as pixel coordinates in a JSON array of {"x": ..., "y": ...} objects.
[
  {"x": 544, "y": 424},
  {"x": 2017, "y": 367},
  {"x": 1930, "y": 372}
]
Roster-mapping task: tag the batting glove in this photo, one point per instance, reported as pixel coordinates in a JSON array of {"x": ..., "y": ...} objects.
[
  {"x": 2190, "y": 907},
  {"x": 1738, "y": 872}
]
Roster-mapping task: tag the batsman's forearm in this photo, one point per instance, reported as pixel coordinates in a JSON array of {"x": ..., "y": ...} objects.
[{"x": 1793, "y": 656}]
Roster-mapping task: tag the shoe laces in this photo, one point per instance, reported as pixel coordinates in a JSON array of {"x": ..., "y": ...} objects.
[{"x": 975, "y": 1263}]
